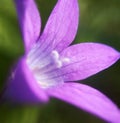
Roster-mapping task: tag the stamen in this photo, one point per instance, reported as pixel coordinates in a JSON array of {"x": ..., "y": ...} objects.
[
  {"x": 65, "y": 60},
  {"x": 58, "y": 64},
  {"x": 57, "y": 60},
  {"x": 42, "y": 67},
  {"x": 55, "y": 54}
]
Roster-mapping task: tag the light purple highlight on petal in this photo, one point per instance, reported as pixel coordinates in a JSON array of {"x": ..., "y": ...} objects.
[
  {"x": 87, "y": 59},
  {"x": 62, "y": 25},
  {"x": 29, "y": 20},
  {"x": 88, "y": 99},
  {"x": 22, "y": 87}
]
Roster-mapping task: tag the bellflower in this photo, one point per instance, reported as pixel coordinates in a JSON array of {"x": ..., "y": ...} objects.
[{"x": 50, "y": 66}]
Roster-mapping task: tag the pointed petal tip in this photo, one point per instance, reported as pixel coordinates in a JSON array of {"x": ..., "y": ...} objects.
[
  {"x": 87, "y": 59},
  {"x": 88, "y": 99},
  {"x": 29, "y": 20},
  {"x": 62, "y": 34}
]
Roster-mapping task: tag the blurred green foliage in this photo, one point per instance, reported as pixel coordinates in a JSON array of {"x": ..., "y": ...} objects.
[{"x": 99, "y": 22}]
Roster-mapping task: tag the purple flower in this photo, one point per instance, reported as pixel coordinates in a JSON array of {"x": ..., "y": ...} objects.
[{"x": 49, "y": 67}]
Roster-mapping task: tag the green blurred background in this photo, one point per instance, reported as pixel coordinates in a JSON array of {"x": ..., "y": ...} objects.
[{"x": 99, "y": 22}]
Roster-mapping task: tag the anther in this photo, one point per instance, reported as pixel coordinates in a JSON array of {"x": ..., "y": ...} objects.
[
  {"x": 58, "y": 64},
  {"x": 65, "y": 60},
  {"x": 55, "y": 54},
  {"x": 57, "y": 60}
]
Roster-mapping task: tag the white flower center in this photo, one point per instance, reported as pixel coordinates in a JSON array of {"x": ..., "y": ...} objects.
[
  {"x": 56, "y": 58},
  {"x": 46, "y": 67}
]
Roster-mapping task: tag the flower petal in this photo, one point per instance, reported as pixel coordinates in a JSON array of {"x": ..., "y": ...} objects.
[
  {"x": 29, "y": 20},
  {"x": 88, "y": 99},
  {"x": 22, "y": 87},
  {"x": 62, "y": 25},
  {"x": 87, "y": 59}
]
